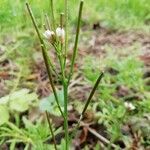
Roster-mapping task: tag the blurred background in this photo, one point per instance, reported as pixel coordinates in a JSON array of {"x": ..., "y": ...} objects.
[
  {"x": 115, "y": 37},
  {"x": 115, "y": 14}
]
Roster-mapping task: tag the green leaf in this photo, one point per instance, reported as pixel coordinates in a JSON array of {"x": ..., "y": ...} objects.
[
  {"x": 49, "y": 104},
  {"x": 19, "y": 105},
  {"x": 20, "y": 101},
  {"x": 4, "y": 114}
]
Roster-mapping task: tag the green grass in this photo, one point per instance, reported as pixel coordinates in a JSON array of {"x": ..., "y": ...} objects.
[
  {"x": 113, "y": 14},
  {"x": 124, "y": 13}
]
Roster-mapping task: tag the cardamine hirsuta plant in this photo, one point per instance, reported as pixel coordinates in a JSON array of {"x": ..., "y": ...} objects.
[{"x": 58, "y": 38}]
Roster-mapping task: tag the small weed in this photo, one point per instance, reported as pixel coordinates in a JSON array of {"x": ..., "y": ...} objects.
[{"x": 58, "y": 38}]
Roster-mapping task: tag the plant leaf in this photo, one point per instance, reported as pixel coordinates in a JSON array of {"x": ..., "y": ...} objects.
[
  {"x": 49, "y": 104},
  {"x": 4, "y": 114},
  {"x": 20, "y": 101}
]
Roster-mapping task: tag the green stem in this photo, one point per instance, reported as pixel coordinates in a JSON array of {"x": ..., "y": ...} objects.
[
  {"x": 61, "y": 19},
  {"x": 92, "y": 92},
  {"x": 52, "y": 15},
  {"x": 88, "y": 101},
  {"x": 76, "y": 41},
  {"x": 47, "y": 22},
  {"x": 46, "y": 58},
  {"x": 51, "y": 130},
  {"x": 65, "y": 86},
  {"x": 65, "y": 89},
  {"x": 66, "y": 31}
]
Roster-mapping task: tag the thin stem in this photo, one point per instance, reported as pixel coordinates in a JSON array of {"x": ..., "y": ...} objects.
[
  {"x": 66, "y": 31},
  {"x": 38, "y": 33},
  {"x": 88, "y": 101},
  {"x": 101, "y": 138},
  {"x": 35, "y": 24},
  {"x": 61, "y": 19},
  {"x": 51, "y": 130},
  {"x": 46, "y": 58},
  {"x": 65, "y": 89},
  {"x": 61, "y": 44},
  {"x": 92, "y": 92},
  {"x": 47, "y": 22},
  {"x": 52, "y": 14},
  {"x": 76, "y": 41}
]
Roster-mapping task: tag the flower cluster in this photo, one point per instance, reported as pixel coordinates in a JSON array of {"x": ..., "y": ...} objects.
[
  {"x": 129, "y": 106},
  {"x": 51, "y": 36}
]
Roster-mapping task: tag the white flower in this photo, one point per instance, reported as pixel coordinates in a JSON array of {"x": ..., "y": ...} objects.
[
  {"x": 60, "y": 32},
  {"x": 49, "y": 35},
  {"x": 129, "y": 106}
]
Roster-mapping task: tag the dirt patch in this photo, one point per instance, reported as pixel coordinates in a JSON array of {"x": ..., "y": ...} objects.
[{"x": 101, "y": 37}]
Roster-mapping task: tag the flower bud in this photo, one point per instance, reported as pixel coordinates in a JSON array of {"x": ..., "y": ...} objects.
[
  {"x": 60, "y": 34},
  {"x": 49, "y": 35}
]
